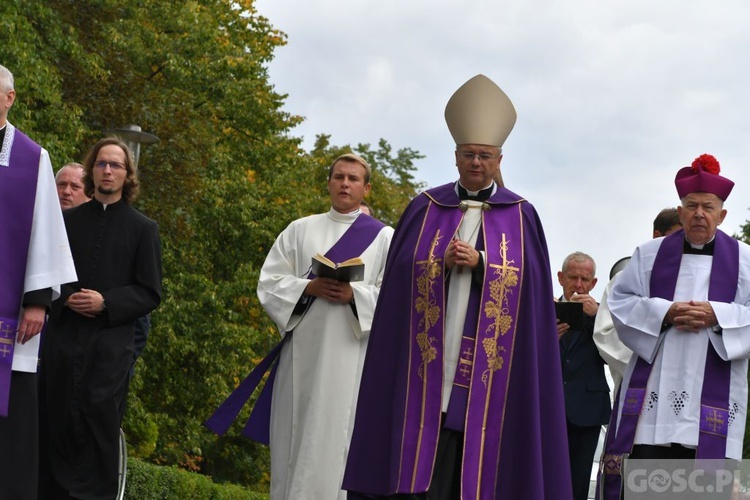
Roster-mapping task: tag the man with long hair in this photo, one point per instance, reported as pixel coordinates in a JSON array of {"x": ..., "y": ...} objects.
[{"x": 88, "y": 350}]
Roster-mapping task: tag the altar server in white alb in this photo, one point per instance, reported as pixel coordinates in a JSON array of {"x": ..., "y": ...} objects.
[
  {"x": 327, "y": 323},
  {"x": 683, "y": 306}
]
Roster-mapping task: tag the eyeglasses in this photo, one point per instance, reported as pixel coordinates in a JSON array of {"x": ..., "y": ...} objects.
[
  {"x": 114, "y": 165},
  {"x": 483, "y": 157}
]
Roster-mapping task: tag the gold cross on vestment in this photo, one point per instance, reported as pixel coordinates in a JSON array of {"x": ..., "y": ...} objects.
[
  {"x": 6, "y": 330},
  {"x": 431, "y": 257},
  {"x": 505, "y": 266},
  {"x": 714, "y": 420}
]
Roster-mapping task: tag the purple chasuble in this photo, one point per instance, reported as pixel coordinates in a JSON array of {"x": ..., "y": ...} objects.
[
  {"x": 17, "y": 196},
  {"x": 512, "y": 374},
  {"x": 714, "y": 417},
  {"x": 486, "y": 369},
  {"x": 360, "y": 235}
]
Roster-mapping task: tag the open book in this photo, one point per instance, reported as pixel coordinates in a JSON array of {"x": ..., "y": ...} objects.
[{"x": 349, "y": 270}]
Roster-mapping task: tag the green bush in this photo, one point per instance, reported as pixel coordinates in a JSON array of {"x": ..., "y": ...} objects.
[{"x": 146, "y": 481}]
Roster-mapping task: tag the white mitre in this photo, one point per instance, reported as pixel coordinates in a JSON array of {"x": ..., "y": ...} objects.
[{"x": 479, "y": 112}]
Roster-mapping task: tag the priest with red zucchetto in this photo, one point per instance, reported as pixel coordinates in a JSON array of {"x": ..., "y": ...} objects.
[{"x": 683, "y": 306}]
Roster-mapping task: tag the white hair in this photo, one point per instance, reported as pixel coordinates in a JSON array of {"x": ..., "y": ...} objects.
[{"x": 6, "y": 79}]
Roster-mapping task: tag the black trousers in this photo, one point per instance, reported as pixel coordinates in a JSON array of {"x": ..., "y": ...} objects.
[
  {"x": 19, "y": 440},
  {"x": 651, "y": 452},
  {"x": 582, "y": 443},
  {"x": 446, "y": 476}
]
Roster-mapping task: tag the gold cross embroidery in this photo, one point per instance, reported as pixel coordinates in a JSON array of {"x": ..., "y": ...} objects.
[
  {"x": 497, "y": 308},
  {"x": 505, "y": 267},
  {"x": 6, "y": 330},
  {"x": 714, "y": 420}
]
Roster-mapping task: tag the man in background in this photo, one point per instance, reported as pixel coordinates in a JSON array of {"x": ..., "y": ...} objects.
[
  {"x": 35, "y": 261},
  {"x": 667, "y": 222},
  {"x": 88, "y": 351},
  {"x": 366, "y": 208},
  {"x": 70, "y": 190},
  {"x": 587, "y": 403},
  {"x": 69, "y": 182}
]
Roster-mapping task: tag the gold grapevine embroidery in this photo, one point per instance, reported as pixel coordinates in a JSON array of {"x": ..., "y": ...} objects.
[
  {"x": 497, "y": 308},
  {"x": 429, "y": 271}
]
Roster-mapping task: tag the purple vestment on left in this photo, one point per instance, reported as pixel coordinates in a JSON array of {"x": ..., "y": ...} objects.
[
  {"x": 17, "y": 195},
  {"x": 515, "y": 442}
]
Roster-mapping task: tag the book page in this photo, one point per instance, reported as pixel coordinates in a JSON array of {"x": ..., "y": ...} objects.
[
  {"x": 351, "y": 262},
  {"x": 324, "y": 260}
]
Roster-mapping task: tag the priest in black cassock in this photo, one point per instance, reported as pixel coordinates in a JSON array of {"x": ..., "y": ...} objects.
[{"x": 88, "y": 350}]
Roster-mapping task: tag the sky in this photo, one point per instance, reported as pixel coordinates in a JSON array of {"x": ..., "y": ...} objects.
[{"x": 613, "y": 98}]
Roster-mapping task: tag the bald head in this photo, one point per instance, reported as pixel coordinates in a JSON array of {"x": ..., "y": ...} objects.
[{"x": 69, "y": 181}]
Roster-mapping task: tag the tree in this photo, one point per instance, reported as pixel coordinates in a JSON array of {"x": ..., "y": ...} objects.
[{"x": 225, "y": 179}]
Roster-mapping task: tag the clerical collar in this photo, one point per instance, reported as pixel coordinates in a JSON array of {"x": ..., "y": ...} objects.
[
  {"x": 338, "y": 216},
  {"x": 111, "y": 206},
  {"x": 481, "y": 195},
  {"x": 705, "y": 249}
]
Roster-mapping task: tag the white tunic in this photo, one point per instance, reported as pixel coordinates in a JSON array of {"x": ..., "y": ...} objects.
[
  {"x": 672, "y": 406},
  {"x": 49, "y": 263},
  {"x": 457, "y": 302},
  {"x": 612, "y": 350},
  {"x": 317, "y": 382}
]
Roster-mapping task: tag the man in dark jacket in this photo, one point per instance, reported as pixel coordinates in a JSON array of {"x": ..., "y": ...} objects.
[
  {"x": 88, "y": 351},
  {"x": 587, "y": 403}
]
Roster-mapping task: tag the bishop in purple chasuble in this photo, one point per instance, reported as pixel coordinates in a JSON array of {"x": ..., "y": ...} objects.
[{"x": 514, "y": 435}]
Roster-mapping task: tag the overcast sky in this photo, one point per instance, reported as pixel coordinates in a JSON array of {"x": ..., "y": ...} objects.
[{"x": 613, "y": 97}]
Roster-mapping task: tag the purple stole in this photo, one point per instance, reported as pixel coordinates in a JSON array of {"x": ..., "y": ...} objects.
[
  {"x": 360, "y": 235},
  {"x": 478, "y": 397},
  {"x": 714, "y": 418},
  {"x": 17, "y": 196}
]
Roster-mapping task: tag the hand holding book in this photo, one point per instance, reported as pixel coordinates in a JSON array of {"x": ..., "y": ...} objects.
[{"x": 347, "y": 271}]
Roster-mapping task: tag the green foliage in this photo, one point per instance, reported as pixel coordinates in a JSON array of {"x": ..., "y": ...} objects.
[
  {"x": 744, "y": 236},
  {"x": 150, "y": 482},
  {"x": 40, "y": 109},
  {"x": 225, "y": 179}
]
